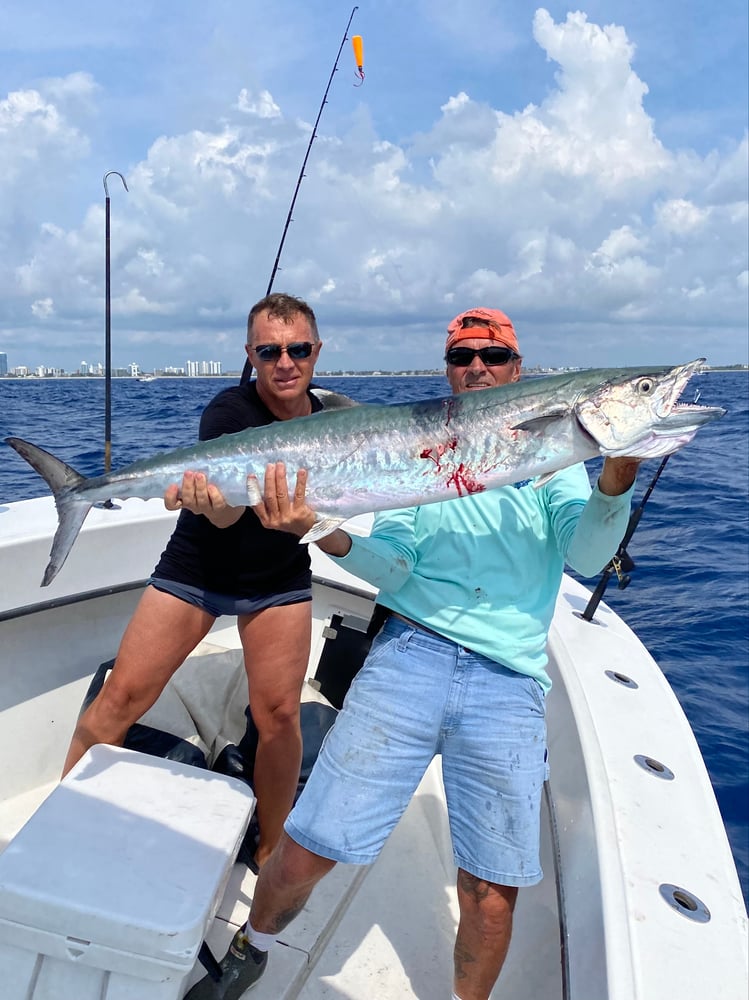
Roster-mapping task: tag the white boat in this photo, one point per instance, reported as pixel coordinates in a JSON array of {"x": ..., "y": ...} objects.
[{"x": 640, "y": 900}]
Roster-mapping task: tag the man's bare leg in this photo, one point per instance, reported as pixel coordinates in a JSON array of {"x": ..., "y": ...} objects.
[
  {"x": 162, "y": 632},
  {"x": 285, "y": 884},
  {"x": 283, "y": 887},
  {"x": 276, "y": 645},
  {"x": 483, "y": 935}
]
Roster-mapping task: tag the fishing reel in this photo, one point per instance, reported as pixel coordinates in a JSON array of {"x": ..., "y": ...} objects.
[{"x": 623, "y": 564}]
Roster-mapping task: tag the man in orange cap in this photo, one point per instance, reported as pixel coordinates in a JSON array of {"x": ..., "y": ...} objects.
[
  {"x": 458, "y": 669},
  {"x": 474, "y": 364},
  {"x": 498, "y": 322}
]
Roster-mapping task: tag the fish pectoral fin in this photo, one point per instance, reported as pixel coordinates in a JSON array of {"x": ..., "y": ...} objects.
[
  {"x": 323, "y": 526},
  {"x": 543, "y": 480},
  {"x": 543, "y": 420}
]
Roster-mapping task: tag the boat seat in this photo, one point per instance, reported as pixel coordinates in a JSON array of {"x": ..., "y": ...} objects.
[
  {"x": 146, "y": 738},
  {"x": 235, "y": 760}
]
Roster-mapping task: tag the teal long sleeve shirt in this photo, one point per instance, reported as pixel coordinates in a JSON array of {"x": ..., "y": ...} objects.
[{"x": 485, "y": 570}]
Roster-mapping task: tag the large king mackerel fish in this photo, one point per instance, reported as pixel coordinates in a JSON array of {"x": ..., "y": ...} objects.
[{"x": 367, "y": 458}]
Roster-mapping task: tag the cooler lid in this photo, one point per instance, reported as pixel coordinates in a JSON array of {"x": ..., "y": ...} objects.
[{"x": 127, "y": 852}]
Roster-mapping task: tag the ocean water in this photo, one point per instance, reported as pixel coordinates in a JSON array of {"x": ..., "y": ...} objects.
[{"x": 688, "y": 599}]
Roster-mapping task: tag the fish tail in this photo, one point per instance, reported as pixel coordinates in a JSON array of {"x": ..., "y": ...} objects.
[{"x": 71, "y": 510}]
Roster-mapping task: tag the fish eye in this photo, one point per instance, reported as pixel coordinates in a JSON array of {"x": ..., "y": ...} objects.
[{"x": 645, "y": 386}]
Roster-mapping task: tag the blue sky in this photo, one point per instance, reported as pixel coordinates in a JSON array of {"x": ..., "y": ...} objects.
[{"x": 584, "y": 170}]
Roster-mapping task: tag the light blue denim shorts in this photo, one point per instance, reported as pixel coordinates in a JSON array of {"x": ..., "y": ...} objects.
[{"x": 418, "y": 695}]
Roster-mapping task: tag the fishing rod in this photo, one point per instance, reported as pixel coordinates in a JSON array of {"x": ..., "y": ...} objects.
[
  {"x": 108, "y": 330},
  {"x": 247, "y": 370},
  {"x": 622, "y": 563}
]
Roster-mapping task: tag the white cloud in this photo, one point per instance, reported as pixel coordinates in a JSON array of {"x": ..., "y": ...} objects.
[
  {"x": 568, "y": 211},
  {"x": 620, "y": 243},
  {"x": 34, "y": 133},
  {"x": 680, "y": 216},
  {"x": 457, "y": 103},
  {"x": 43, "y": 308},
  {"x": 263, "y": 105}
]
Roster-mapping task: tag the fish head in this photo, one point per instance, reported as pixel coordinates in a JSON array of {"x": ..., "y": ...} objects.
[{"x": 637, "y": 413}]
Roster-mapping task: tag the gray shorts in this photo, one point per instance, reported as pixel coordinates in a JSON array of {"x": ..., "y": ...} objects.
[{"x": 225, "y": 604}]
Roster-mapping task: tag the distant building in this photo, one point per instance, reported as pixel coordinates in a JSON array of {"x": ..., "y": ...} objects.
[
  {"x": 195, "y": 368},
  {"x": 3, "y": 364}
]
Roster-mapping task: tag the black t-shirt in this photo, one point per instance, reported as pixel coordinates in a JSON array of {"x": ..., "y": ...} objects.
[{"x": 246, "y": 558}]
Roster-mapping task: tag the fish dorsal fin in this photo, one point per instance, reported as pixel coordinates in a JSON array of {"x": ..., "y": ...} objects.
[
  {"x": 332, "y": 400},
  {"x": 543, "y": 420}
]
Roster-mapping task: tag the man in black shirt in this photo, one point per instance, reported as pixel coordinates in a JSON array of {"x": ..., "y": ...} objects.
[{"x": 221, "y": 560}]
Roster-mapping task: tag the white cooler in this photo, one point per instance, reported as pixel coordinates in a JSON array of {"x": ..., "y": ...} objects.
[{"x": 108, "y": 890}]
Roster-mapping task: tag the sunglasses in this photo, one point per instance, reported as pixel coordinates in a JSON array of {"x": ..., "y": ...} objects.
[
  {"x": 462, "y": 357},
  {"x": 272, "y": 352}
]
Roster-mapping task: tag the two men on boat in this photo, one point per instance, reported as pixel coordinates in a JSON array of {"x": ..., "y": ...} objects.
[{"x": 468, "y": 589}]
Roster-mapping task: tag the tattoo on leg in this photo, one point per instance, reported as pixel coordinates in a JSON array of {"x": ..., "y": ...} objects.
[
  {"x": 477, "y": 887},
  {"x": 284, "y": 918},
  {"x": 463, "y": 957}
]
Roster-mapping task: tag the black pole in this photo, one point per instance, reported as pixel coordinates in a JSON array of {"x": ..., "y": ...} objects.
[
  {"x": 247, "y": 370},
  {"x": 621, "y": 560},
  {"x": 108, "y": 330}
]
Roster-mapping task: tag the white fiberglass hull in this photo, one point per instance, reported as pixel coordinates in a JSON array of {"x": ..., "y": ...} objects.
[{"x": 603, "y": 924}]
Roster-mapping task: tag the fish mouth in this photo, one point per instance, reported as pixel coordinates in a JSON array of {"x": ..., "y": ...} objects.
[
  {"x": 675, "y": 416},
  {"x": 671, "y": 433},
  {"x": 688, "y": 415}
]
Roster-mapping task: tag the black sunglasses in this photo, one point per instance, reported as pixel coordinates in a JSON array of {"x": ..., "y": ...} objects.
[
  {"x": 462, "y": 357},
  {"x": 272, "y": 352}
]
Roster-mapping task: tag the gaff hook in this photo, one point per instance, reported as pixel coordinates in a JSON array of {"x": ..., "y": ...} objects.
[
  {"x": 106, "y": 189},
  {"x": 108, "y": 333}
]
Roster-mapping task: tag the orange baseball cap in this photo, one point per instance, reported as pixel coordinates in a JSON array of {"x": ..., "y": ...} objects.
[{"x": 499, "y": 328}]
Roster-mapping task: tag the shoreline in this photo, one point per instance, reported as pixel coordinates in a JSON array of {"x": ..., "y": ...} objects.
[{"x": 184, "y": 378}]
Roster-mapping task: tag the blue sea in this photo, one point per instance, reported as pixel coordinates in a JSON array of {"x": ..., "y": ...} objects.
[{"x": 689, "y": 594}]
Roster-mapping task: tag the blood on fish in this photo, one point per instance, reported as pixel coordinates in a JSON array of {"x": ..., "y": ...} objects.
[
  {"x": 448, "y": 405},
  {"x": 436, "y": 453},
  {"x": 464, "y": 482}
]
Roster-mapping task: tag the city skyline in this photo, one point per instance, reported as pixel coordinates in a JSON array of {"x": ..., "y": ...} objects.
[
  {"x": 215, "y": 369},
  {"x": 97, "y": 369}
]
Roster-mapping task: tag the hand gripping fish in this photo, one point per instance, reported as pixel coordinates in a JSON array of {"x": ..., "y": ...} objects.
[{"x": 366, "y": 458}]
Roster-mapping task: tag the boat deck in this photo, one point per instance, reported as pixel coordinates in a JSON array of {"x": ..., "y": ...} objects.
[
  {"x": 615, "y": 834},
  {"x": 385, "y": 931}
]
